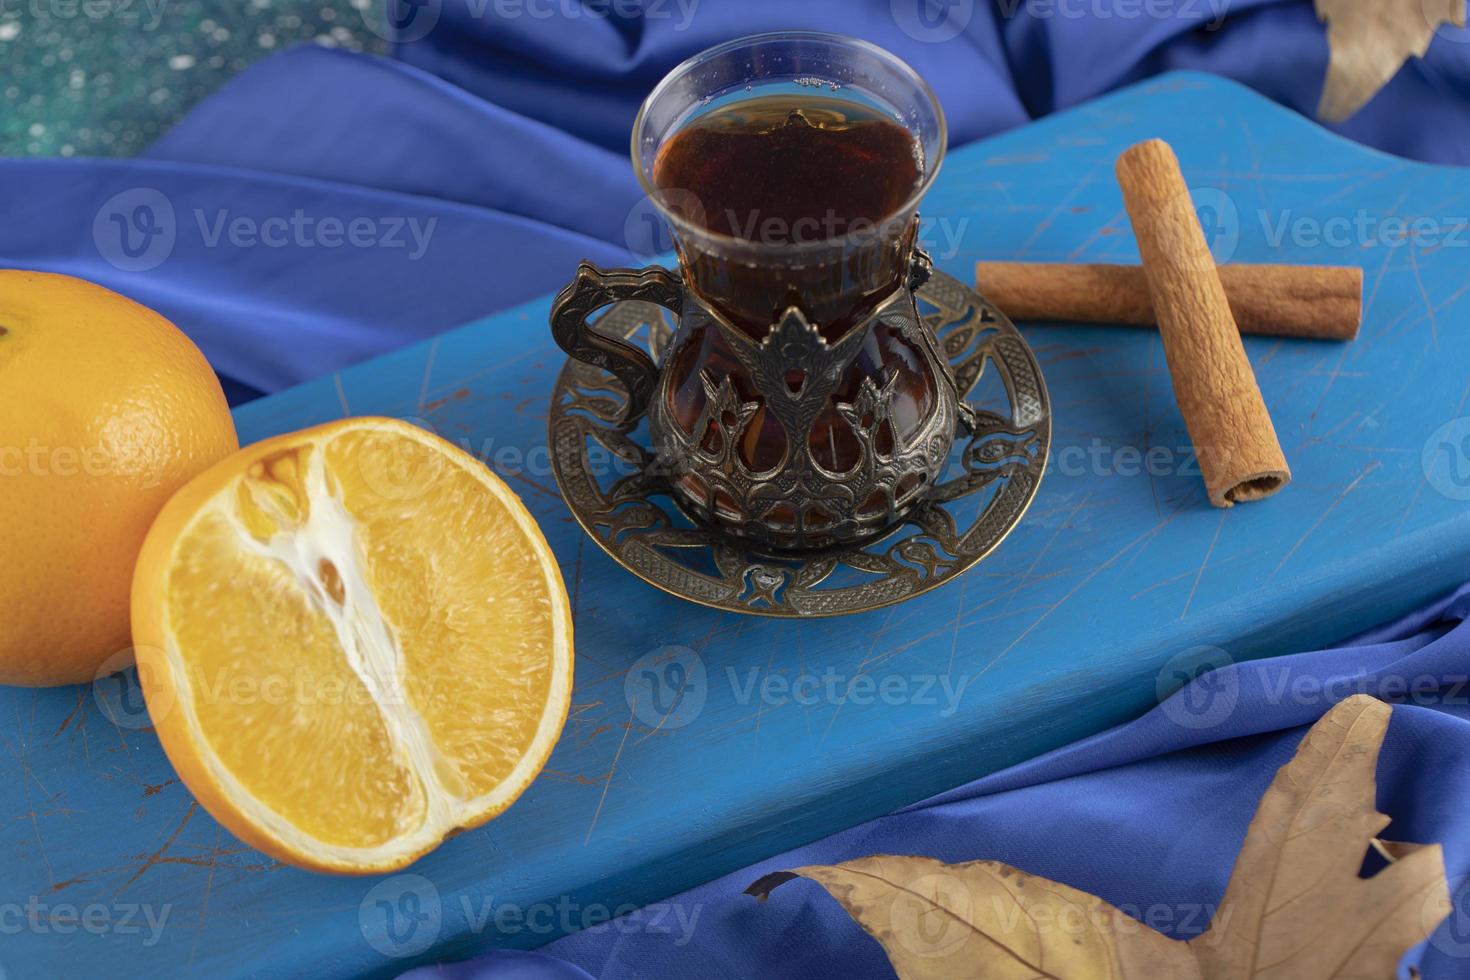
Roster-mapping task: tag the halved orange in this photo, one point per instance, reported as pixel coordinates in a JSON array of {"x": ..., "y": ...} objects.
[{"x": 352, "y": 640}]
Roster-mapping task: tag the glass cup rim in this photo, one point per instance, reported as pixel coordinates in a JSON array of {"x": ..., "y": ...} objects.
[{"x": 910, "y": 204}]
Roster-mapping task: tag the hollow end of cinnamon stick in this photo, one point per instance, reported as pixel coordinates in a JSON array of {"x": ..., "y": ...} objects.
[
  {"x": 1257, "y": 487},
  {"x": 1214, "y": 385}
]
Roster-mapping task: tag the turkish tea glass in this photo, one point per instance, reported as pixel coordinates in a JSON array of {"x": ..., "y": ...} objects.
[{"x": 803, "y": 402}]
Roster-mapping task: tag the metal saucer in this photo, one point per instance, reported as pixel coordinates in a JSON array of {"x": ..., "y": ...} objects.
[{"x": 606, "y": 477}]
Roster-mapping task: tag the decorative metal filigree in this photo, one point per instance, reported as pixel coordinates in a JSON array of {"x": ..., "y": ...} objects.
[
  {"x": 796, "y": 503},
  {"x": 620, "y": 489}
]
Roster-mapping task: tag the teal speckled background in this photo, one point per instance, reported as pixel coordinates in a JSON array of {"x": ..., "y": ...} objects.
[{"x": 106, "y": 77}]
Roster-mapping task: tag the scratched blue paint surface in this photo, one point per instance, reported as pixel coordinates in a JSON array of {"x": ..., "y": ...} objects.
[{"x": 1061, "y": 633}]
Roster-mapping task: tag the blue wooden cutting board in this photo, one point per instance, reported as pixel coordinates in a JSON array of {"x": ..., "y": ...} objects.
[{"x": 1118, "y": 572}]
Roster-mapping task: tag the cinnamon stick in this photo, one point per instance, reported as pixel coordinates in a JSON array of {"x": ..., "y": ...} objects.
[
  {"x": 1323, "y": 302},
  {"x": 1217, "y": 393}
]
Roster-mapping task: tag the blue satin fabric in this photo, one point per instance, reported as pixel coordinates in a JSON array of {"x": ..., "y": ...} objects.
[
  {"x": 1149, "y": 815},
  {"x": 506, "y": 125}
]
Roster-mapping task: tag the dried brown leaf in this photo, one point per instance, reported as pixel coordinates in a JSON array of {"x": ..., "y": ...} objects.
[
  {"x": 1297, "y": 908},
  {"x": 1369, "y": 40},
  {"x": 1294, "y": 909},
  {"x": 945, "y": 920}
]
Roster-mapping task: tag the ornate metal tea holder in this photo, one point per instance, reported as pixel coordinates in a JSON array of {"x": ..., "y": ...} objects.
[{"x": 623, "y": 497}]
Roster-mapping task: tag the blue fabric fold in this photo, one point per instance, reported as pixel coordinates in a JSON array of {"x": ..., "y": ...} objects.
[
  {"x": 1148, "y": 815},
  {"x": 993, "y": 65},
  {"x": 587, "y": 75},
  {"x": 386, "y": 126},
  {"x": 272, "y": 306}
]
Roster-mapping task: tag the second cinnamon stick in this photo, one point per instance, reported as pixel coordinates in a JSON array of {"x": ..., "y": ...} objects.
[
  {"x": 1323, "y": 301},
  {"x": 1239, "y": 453}
]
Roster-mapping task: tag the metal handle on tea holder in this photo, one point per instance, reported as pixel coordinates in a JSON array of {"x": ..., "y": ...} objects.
[{"x": 593, "y": 289}]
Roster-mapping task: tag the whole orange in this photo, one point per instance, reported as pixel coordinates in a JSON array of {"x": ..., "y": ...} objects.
[{"x": 106, "y": 409}]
